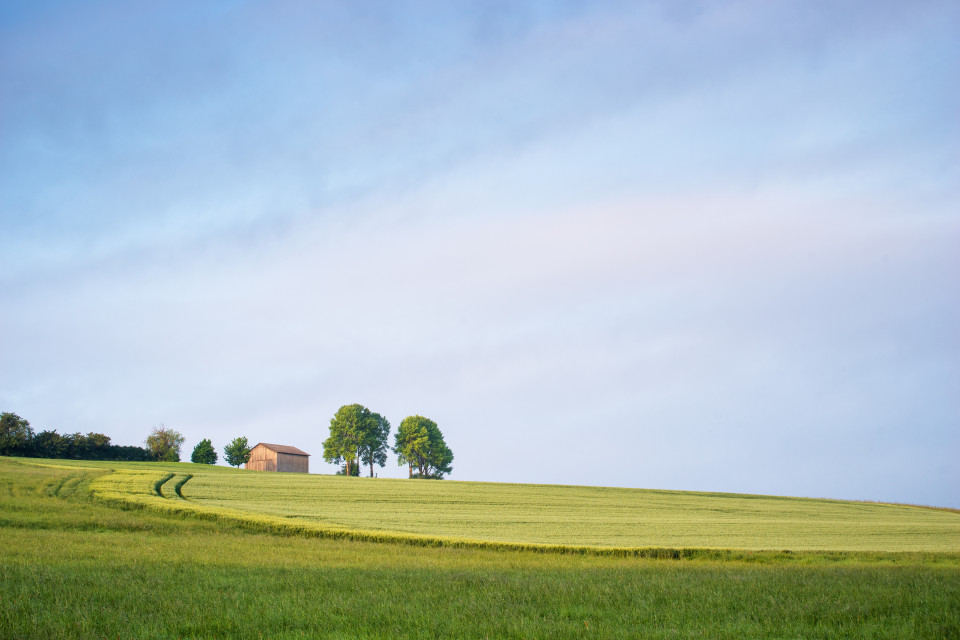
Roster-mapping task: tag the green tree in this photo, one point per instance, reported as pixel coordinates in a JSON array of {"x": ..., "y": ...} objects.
[
  {"x": 130, "y": 453},
  {"x": 346, "y": 434},
  {"x": 98, "y": 446},
  {"x": 77, "y": 446},
  {"x": 164, "y": 444},
  {"x": 16, "y": 435},
  {"x": 354, "y": 471},
  {"x": 204, "y": 453},
  {"x": 49, "y": 444},
  {"x": 419, "y": 444},
  {"x": 357, "y": 435},
  {"x": 374, "y": 446},
  {"x": 410, "y": 438},
  {"x": 237, "y": 452}
]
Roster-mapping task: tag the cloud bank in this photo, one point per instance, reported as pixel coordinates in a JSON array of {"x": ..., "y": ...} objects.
[{"x": 635, "y": 244}]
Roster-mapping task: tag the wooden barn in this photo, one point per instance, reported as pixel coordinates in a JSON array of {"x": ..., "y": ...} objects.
[{"x": 278, "y": 457}]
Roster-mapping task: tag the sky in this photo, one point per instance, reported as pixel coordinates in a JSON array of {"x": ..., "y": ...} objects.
[{"x": 685, "y": 245}]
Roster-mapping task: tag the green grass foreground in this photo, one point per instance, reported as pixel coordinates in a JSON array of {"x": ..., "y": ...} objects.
[{"x": 72, "y": 566}]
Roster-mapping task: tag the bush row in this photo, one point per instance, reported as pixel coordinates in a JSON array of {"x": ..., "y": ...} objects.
[{"x": 17, "y": 438}]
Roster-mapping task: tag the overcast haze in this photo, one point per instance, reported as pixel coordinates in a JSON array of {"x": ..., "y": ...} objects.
[{"x": 678, "y": 245}]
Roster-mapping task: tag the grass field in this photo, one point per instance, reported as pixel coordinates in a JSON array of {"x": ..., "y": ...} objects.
[{"x": 75, "y": 567}]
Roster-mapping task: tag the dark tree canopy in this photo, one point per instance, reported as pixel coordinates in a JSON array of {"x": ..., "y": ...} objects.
[
  {"x": 15, "y": 435},
  {"x": 357, "y": 435},
  {"x": 419, "y": 444},
  {"x": 164, "y": 444},
  {"x": 204, "y": 453},
  {"x": 17, "y": 438},
  {"x": 237, "y": 452},
  {"x": 50, "y": 444}
]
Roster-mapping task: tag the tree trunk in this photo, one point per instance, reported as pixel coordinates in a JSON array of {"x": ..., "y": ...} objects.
[{"x": 371, "y": 467}]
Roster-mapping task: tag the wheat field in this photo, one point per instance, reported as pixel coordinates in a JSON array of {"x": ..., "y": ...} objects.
[{"x": 550, "y": 515}]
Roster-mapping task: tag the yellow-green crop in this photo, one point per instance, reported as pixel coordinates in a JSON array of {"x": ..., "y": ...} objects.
[{"x": 545, "y": 517}]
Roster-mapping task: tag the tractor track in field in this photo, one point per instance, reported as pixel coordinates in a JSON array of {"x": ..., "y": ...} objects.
[
  {"x": 177, "y": 487},
  {"x": 159, "y": 483}
]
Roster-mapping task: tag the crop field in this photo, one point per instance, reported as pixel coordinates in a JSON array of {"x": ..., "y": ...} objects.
[
  {"x": 532, "y": 515},
  {"x": 107, "y": 550},
  {"x": 591, "y": 516}
]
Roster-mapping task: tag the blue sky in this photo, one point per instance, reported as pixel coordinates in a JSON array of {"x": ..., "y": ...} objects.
[{"x": 680, "y": 245}]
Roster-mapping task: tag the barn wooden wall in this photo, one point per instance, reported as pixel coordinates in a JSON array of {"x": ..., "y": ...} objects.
[
  {"x": 294, "y": 463},
  {"x": 262, "y": 459}
]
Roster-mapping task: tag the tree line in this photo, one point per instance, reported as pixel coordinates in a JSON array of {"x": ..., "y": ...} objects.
[
  {"x": 17, "y": 438},
  {"x": 359, "y": 436},
  {"x": 165, "y": 445}
]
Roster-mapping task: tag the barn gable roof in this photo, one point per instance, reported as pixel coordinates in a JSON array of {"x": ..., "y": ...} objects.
[{"x": 282, "y": 448}]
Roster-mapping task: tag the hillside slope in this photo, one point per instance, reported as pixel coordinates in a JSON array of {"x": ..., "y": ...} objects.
[
  {"x": 573, "y": 515},
  {"x": 527, "y": 515}
]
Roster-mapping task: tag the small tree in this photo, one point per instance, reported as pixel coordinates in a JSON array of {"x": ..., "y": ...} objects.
[
  {"x": 237, "y": 452},
  {"x": 164, "y": 444},
  {"x": 204, "y": 453}
]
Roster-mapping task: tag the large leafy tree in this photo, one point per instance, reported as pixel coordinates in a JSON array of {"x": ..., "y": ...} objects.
[
  {"x": 410, "y": 438},
  {"x": 419, "y": 444},
  {"x": 357, "y": 435},
  {"x": 16, "y": 435},
  {"x": 374, "y": 446},
  {"x": 164, "y": 444},
  {"x": 237, "y": 452},
  {"x": 343, "y": 444},
  {"x": 204, "y": 453}
]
